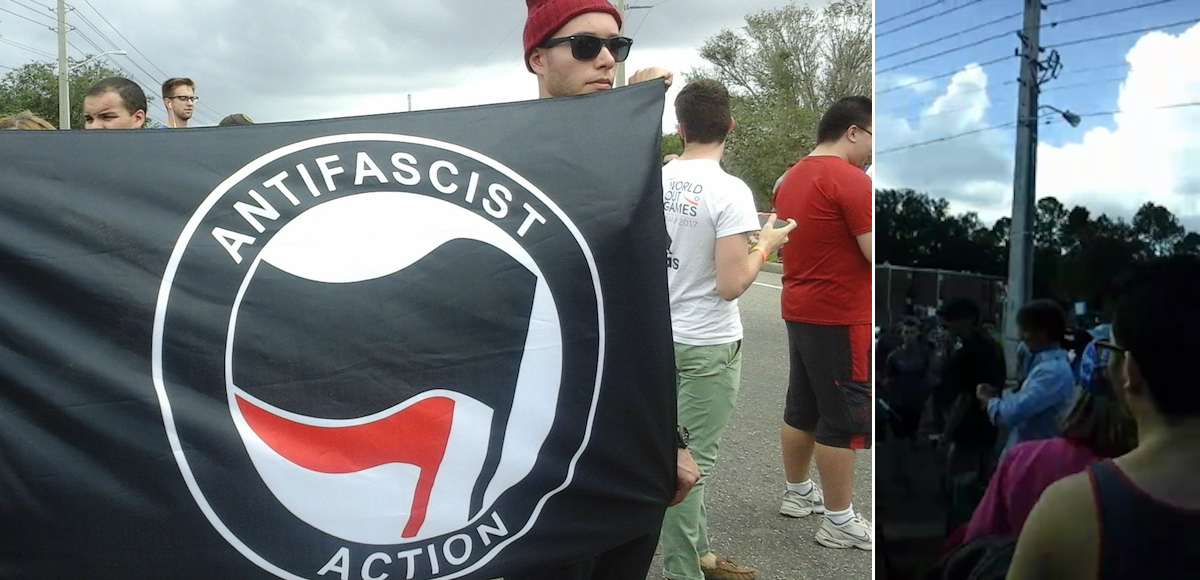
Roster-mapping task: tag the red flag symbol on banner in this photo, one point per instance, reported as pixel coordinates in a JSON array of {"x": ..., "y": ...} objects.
[{"x": 417, "y": 435}]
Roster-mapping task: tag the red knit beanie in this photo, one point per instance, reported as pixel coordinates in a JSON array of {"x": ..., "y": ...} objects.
[{"x": 547, "y": 16}]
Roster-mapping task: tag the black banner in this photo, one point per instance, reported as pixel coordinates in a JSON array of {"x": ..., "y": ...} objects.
[{"x": 426, "y": 345}]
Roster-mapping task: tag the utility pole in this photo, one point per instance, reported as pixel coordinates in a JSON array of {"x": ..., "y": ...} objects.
[
  {"x": 1020, "y": 245},
  {"x": 410, "y": 102},
  {"x": 622, "y": 8},
  {"x": 64, "y": 87}
]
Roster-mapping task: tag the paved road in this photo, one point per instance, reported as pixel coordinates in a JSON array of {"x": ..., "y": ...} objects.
[{"x": 744, "y": 490}]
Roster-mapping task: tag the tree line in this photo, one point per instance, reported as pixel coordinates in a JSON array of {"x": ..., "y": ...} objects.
[
  {"x": 1077, "y": 256},
  {"x": 783, "y": 69}
]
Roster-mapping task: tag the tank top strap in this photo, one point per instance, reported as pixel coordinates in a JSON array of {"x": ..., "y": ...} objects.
[
  {"x": 1114, "y": 510},
  {"x": 1141, "y": 537}
]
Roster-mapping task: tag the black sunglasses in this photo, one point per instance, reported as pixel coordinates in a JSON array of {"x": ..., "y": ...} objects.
[{"x": 585, "y": 47}]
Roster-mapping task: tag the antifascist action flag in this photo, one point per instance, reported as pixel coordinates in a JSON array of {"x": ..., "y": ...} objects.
[{"x": 425, "y": 345}]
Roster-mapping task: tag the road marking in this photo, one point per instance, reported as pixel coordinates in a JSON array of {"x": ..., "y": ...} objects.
[{"x": 768, "y": 285}]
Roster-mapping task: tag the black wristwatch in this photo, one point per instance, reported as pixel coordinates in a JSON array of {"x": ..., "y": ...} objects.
[{"x": 682, "y": 436}]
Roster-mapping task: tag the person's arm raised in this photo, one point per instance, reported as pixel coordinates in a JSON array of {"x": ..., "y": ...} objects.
[{"x": 737, "y": 269}]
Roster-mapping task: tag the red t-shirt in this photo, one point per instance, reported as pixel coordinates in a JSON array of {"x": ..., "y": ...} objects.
[{"x": 826, "y": 278}]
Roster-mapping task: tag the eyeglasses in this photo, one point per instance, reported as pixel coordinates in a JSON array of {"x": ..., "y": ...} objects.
[
  {"x": 865, "y": 131},
  {"x": 186, "y": 98},
  {"x": 586, "y": 47}
]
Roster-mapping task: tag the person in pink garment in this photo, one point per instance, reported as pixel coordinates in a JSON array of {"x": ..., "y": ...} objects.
[{"x": 1098, "y": 426}]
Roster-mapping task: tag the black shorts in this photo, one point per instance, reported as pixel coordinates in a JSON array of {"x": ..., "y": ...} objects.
[{"x": 829, "y": 387}]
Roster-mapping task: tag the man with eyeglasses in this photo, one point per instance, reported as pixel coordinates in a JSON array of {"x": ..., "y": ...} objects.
[
  {"x": 573, "y": 47},
  {"x": 179, "y": 98},
  {"x": 826, "y": 306}
]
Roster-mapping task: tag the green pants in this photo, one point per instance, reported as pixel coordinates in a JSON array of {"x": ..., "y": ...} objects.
[{"x": 706, "y": 383}]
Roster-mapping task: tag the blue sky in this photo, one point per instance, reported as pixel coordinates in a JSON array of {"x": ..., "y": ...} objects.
[{"x": 975, "y": 171}]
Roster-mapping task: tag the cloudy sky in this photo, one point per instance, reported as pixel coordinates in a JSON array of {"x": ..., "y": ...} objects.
[
  {"x": 1110, "y": 163},
  {"x": 281, "y": 60}
]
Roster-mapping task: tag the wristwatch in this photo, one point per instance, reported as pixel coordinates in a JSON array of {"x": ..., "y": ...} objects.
[{"x": 682, "y": 436}]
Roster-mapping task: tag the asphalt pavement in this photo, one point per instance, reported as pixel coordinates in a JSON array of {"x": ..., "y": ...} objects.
[{"x": 747, "y": 483}]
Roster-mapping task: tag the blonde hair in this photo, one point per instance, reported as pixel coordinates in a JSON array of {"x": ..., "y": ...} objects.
[{"x": 24, "y": 120}]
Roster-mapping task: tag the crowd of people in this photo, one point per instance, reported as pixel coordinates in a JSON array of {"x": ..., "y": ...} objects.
[
  {"x": 1089, "y": 456},
  {"x": 717, "y": 248},
  {"x": 119, "y": 103},
  {"x": 825, "y": 241}
]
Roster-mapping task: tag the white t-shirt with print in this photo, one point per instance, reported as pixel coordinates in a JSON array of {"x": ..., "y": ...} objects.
[{"x": 702, "y": 203}]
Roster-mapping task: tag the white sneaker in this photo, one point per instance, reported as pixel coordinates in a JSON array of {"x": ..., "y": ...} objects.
[
  {"x": 855, "y": 533},
  {"x": 801, "y": 506}
]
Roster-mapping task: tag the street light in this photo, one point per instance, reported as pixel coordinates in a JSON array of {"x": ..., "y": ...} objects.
[
  {"x": 64, "y": 86},
  {"x": 101, "y": 55},
  {"x": 1070, "y": 117}
]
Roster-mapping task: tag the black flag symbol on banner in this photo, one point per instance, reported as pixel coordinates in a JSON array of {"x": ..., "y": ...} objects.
[{"x": 429, "y": 345}]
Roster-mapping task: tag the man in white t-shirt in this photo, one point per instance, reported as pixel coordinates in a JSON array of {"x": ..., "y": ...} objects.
[{"x": 710, "y": 216}]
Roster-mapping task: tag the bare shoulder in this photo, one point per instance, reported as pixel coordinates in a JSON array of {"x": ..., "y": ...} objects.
[
  {"x": 1071, "y": 494},
  {"x": 1060, "y": 538}
]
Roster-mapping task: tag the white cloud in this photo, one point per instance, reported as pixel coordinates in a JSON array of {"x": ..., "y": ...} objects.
[
  {"x": 969, "y": 170},
  {"x": 1149, "y": 155},
  {"x": 1146, "y": 154}
]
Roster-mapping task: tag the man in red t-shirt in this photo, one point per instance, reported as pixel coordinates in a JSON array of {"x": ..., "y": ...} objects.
[{"x": 827, "y": 310}]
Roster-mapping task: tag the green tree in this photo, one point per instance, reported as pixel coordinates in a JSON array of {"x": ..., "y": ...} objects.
[
  {"x": 1076, "y": 256},
  {"x": 784, "y": 68},
  {"x": 1190, "y": 244},
  {"x": 34, "y": 86},
  {"x": 1158, "y": 229},
  {"x": 672, "y": 143}
]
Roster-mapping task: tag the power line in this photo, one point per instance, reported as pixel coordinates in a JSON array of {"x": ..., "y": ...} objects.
[
  {"x": 1146, "y": 110},
  {"x": 201, "y": 108},
  {"x": 940, "y": 76},
  {"x": 913, "y": 11},
  {"x": 111, "y": 44},
  {"x": 1087, "y": 84},
  {"x": 644, "y": 17},
  {"x": 927, "y": 18},
  {"x": 28, "y": 48},
  {"x": 23, "y": 17},
  {"x": 1096, "y": 68},
  {"x": 1106, "y": 13},
  {"x": 949, "y": 36},
  {"x": 974, "y": 90},
  {"x": 947, "y": 138},
  {"x": 131, "y": 45},
  {"x": 1051, "y": 116},
  {"x": 945, "y": 52},
  {"x": 35, "y": 10},
  {"x": 999, "y": 36},
  {"x": 147, "y": 88},
  {"x": 1124, "y": 33},
  {"x": 489, "y": 53}
]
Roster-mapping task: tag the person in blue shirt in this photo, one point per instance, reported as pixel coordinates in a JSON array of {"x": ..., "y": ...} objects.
[
  {"x": 1093, "y": 359},
  {"x": 1036, "y": 408}
]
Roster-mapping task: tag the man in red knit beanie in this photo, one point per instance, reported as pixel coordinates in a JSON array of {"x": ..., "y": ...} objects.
[{"x": 573, "y": 46}]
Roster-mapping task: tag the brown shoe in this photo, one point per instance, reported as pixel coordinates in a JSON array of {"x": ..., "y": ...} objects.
[{"x": 727, "y": 570}]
